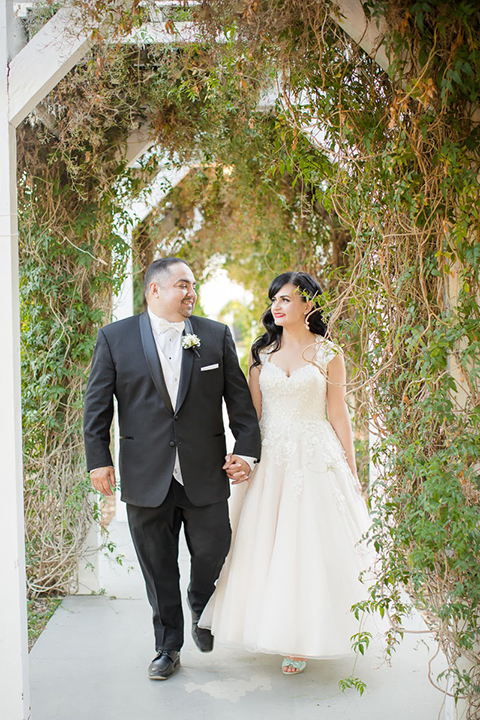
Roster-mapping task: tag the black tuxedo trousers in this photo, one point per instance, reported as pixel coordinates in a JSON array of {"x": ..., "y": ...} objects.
[
  {"x": 155, "y": 534},
  {"x": 126, "y": 366}
]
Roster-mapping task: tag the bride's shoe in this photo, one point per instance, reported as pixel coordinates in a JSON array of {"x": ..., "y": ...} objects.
[{"x": 293, "y": 667}]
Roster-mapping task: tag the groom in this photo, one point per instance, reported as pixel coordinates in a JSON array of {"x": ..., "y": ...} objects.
[{"x": 169, "y": 372}]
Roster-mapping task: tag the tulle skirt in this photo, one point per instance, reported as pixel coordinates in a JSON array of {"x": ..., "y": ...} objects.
[{"x": 292, "y": 573}]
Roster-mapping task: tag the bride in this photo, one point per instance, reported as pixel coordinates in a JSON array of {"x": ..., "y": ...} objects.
[{"x": 292, "y": 572}]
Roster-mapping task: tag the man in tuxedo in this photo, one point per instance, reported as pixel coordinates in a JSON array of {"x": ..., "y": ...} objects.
[{"x": 169, "y": 371}]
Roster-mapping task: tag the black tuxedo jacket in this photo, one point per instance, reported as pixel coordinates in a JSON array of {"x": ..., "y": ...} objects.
[{"x": 126, "y": 365}]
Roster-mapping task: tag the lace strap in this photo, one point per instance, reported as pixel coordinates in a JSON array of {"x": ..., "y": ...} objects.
[
  {"x": 325, "y": 351},
  {"x": 262, "y": 355}
]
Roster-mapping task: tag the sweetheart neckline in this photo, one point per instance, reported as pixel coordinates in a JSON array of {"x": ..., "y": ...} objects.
[
  {"x": 302, "y": 367},
  {"x": 319, "y": 339}
]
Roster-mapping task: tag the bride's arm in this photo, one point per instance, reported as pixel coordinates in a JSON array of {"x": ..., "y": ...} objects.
[
  {"x": 254, "y": 385},
  {"x": 338, "y": 410}
]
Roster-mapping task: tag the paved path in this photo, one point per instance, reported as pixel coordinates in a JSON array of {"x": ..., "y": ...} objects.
[{"x": 91, "y": 662}]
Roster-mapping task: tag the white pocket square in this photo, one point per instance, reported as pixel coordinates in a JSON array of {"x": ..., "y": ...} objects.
[{"x": 210, "y": 367}]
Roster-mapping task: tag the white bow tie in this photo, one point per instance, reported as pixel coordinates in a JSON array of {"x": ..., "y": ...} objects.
[{"x": 162, "y": 325}]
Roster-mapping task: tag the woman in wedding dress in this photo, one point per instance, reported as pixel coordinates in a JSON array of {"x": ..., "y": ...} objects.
[{"x": 292, "y": 573}]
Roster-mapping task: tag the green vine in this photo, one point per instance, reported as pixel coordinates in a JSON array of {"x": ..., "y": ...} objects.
[
  {"x": 367, "y": 178},
  {"x": 73, "y": 186}
]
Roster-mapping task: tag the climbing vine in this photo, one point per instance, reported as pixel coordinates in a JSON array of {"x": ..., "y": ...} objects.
[
  {"x": 396, "y": 162},
  {"x": 403, "y": 178},
  {"x": 366, "y": 177},
  {"x": 73, "y": 187}
]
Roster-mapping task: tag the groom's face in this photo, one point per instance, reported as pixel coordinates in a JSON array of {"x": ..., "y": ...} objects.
[{"x": 174, "y": 297}]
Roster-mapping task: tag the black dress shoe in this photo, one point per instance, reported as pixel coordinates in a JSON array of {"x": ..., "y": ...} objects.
[
  {"x": 203, "y": 638},
  {"x": 164, "y": 665}
]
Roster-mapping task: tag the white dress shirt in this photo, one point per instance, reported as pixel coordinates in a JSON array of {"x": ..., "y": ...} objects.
[{"x": 168, "y": 340}]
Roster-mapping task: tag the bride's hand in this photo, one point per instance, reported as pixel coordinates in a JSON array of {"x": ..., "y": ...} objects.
[{"x": 237, "y": 469}]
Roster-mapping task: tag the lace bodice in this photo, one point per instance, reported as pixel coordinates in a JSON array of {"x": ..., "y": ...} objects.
[
  {"x": 300, "y": 396},
  {"x": 294, "y": 410}
]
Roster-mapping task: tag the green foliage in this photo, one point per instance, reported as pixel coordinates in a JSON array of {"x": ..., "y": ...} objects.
[
  {"x": 352, "y": 682},
  {"x": 361, "y": 641},
  {"x": 399, "y": 164},
  {"x": 413, "y": 158},
  {"x": 72, "y": 194},
  {"x": 382, "y": 204}
]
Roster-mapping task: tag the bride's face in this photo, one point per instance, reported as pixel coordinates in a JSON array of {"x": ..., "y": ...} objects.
[{"x": 289, "y": 307}]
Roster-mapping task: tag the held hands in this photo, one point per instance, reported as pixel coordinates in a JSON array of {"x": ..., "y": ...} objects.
[
  {"x": 103, "y": 480},
  {"x": 237, "y": 469}
]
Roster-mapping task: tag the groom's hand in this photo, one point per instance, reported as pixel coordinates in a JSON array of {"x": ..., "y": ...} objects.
[
  {"x": 236, "y": 468},
  {"x": 103, "y": 480}
]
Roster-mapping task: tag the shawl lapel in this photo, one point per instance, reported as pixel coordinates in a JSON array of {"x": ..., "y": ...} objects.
[{"x": 153, "y": 362}]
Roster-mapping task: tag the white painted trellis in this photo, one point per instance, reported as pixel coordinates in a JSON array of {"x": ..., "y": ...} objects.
[{"x": 28, "y": 73}]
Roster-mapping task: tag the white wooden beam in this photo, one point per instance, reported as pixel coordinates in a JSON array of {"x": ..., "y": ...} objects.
[
  {"x": 14, "y": 688},
  {"x": 44, "y": 61},
  {"x": 157, "y": 33},
  {"x": 138, "y": 143},
  {"x": 349, "y": 14}
]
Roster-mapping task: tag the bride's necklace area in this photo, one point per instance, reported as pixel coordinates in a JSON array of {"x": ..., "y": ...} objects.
[{"x": 291, "y": 371}]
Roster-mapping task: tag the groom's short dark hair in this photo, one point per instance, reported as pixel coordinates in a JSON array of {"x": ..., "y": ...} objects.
[{"x": 160, "y": 269}]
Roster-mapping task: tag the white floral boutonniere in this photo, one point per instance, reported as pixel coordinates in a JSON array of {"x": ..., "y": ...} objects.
[{"x": 191, "y": 342}]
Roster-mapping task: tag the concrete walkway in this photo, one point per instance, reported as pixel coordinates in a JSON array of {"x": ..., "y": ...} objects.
[{"x": 91, "y": 661}]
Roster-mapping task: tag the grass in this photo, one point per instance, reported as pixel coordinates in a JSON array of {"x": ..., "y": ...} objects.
[{"x": 39, "y": 612}]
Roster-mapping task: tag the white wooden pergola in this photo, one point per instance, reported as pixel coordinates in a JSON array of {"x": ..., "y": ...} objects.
[{"x": 28, "y": 72}]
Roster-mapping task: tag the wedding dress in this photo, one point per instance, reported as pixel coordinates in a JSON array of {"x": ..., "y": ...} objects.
[{"x": 292, "y": 572}]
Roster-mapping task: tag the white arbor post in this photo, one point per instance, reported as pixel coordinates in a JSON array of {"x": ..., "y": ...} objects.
[
  {"x": 14, "y": 689},
  {"x": 26, "y": 76}
]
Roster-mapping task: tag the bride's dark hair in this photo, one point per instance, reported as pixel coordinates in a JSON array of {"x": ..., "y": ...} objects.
[{"x": 310, "y": 290}]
